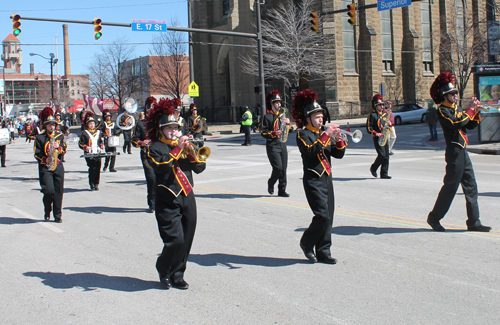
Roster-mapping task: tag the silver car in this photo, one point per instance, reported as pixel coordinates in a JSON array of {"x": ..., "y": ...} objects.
[{"x": 407, "y": 113}]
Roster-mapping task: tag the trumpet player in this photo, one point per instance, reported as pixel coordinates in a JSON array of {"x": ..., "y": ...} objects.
[
  {"x": 175, "y": 201},
  {"x": 317, "y": 145},
  {"x": 49, "y": 146},
  {"x": 275, "y": 148},
  {"x": 375, "y": 123},
  {"x": 140, "y": 140},
  {"x": 459, "y": 171}
]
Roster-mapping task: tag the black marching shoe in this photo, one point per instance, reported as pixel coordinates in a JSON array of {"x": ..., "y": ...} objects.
[
  {"x": 283, "y": 194},
  {"x": 385, "y": 176},
  {"x": 327, "y": 260},
  {"x": 183, "y": 285},
  {"x": 104, "y": 169},
  {"x": 96, "y": 188},
  {"x": 435, "y": 225},
  {"x": 58, "y": 220},
  {"x": 270, "y": 190},
  {"x": 46, "y": 217},
  {"x": 151, "y": 210},
  {"x": 309, "y": 254},
  {"x": 479, "y": 228},
  {"x": 165, "y": 281},
  {"x": 112, "y": 170},
  {"x": 374, "y": 172}
]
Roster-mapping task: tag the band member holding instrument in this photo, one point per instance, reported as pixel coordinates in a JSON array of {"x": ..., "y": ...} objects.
[
  {"x": 175, "y": 203},
  {"x": 125, "y": 121},
  {"x": 61, "y": 127},
  {"x": 49, "y": 145},
  {"x": 316, "y": 148},
  {"x": 375, "y": 125},
  {"x": 91, "y": 141},
  {"x": 392, "y": 134},
  {"x": 459, "y": 171},
  {"x": 140, "y": 140},
  {"x": 194, "y": 122},
  {"x": 275, "y": 148},
  {"x": 183, "y": 128},
  {"x": 109, "y": 129}
]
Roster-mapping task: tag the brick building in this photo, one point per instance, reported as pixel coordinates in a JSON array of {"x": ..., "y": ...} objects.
[{"x": 396, "y": 50}]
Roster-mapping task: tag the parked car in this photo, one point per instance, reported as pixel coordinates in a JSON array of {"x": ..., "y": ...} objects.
[{"x": 407, "y": 113}]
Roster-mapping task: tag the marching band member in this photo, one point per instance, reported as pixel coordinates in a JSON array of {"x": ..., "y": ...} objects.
[
  {"x": 375, "y": 125},
  {"x": 140, "y": 140},
  {"x": 175, "y": 202},
  {"x": 183, "y": 128},
  {"x": 109, "y": 129},
  {"x": 61, "y": 127},
  {"x": 276, "y": 150},
  {"x": 316, "y": 148},
  {"x": 49, "y": 145},
  {"x": 125, "y": 121},
  {"x": 193, "y": 121},
  {"x": 459, "y": 171},
  {"x": 91, "y": 141}
]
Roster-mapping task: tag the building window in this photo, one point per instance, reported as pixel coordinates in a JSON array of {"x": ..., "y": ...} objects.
[
  {"x": 225, "y": 7},
  {"x": 425, "y": 12},
  {"x": 78, "y": 92},
  {"x": 386, "y": 32},
  {"x": 460, "y": 24},
  {"x": 348, "y": 41},
  {"x": 78, "y": 82},
  {"x": 72, "y": 92},
  {"x": 72, "y": 83}
]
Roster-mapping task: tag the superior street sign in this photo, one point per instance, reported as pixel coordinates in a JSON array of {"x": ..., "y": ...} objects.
[
  {"x": 392, "y": 4},
  {"x": 142, "y": 25}
]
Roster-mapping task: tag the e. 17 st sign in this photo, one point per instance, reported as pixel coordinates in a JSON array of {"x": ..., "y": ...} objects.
[
  {"x": 392, "y": 4},
  {"x": 142, "y": 25}
]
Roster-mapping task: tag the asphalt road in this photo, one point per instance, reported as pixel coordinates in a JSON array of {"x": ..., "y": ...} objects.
[{"x": 246, "y": 266}]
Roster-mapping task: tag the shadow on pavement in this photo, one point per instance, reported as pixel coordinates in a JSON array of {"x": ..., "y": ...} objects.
[
  {"x": 357, "y": 230},
  {"x": 21, "y": 179},
  {"x": 16, "y": 221},
  {"x": 92, "y": 281},
  {"x": 228, "y": 260},
  {"x": 101, "y": 210},
  {"x": 488, "y": 194},
  {"x": 136, "y": 182},
  {"x": 229, "y": 196},
  {"x": 347, "y": 179},
  {"x": 72, "y": 190}
]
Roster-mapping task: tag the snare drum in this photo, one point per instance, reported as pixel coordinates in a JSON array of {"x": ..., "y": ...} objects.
[
  {"x": 4, "y": 137},
  {"x": 113, "y": 141}
]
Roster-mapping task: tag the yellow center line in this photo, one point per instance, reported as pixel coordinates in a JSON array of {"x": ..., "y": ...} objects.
[{"x": 351, "y": 213}]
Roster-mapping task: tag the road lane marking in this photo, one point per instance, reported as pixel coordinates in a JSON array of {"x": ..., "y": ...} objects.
[
  {"x": 373, "y": 216},
  {"x": 43, "y": 224}
]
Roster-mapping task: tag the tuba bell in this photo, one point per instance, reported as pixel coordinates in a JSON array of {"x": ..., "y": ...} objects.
[{"x": 130, "y": 106}]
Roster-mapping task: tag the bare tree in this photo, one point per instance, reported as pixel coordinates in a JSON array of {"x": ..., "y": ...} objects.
[
  {"x": 462, "y": 47},
  {"x": 170, "y": 64},
  {"x": 394, "y": 85},
  {"x": 292, "y": 52},
  {"x": 99, "y": 77}
]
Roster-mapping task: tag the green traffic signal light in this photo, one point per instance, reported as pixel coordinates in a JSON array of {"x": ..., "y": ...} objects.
[
  {"x": 352, "y": 14},
  {"x": 314, "y": 21},
  {"x": 16, "y": 25},
  {"x": 97, "y": 28}
]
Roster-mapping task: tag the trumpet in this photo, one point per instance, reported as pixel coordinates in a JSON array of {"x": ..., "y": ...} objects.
[
  {"x": 192, "y": 149},
  {"x": 485, "y": 109},
  {"x": 356, "y": 136}
]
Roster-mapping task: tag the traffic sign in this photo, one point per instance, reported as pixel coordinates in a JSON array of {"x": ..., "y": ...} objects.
[
  {"x": 143, "y": 25},
  {"x": 194, "y": 90},
  {"x": 391, "y": 4}
]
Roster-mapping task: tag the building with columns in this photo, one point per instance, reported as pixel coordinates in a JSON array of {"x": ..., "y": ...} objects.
[{"x": 398, "y": 52}]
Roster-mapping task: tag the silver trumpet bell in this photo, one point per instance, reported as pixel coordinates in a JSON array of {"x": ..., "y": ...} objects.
[{"x": 356, "y": 136}]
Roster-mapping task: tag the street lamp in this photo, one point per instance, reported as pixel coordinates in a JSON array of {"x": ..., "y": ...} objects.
[{"x": 52, "y": 62}]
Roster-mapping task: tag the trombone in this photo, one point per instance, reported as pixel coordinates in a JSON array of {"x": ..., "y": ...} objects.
[{"x": 192, "y": 149}]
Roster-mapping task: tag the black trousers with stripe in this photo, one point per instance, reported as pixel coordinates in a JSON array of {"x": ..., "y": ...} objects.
[{"x": 52, "y": 184}]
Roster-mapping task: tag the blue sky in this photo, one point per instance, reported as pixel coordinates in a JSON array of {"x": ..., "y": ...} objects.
[{"x": 40, "y": 37}]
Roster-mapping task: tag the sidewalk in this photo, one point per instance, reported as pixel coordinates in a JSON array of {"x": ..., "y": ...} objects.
[{"x": 474, "y": 145}]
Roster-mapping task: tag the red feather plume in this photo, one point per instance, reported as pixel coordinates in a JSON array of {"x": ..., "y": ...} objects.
[
  {"x": 271, "y": 94},
  {"x": 441, "y": 80},
  {"x": 164, "y": 107},
  {"x": 301, "y": 99},
  {"x": 377, "y": 98},
  {"x": 45, "y": 113}
]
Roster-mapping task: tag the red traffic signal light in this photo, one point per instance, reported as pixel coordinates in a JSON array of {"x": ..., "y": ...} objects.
[
  {"x": 352, "y": 14},
  {"x": 97, "y": 28},
  {"x": 16, "y": 25},
  {"x": 314, "y": 21}
]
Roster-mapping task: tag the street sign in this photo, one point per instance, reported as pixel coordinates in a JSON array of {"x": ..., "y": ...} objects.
[
  {"x": 142, "y": 25},
  {"x": 194, "y": 90},
  {"x": 392, "y": 4}
]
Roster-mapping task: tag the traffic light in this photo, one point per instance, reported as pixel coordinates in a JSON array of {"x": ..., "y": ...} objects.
[
  {"x": 352, "y": 14},
  {"x": 16, "y": 25},
  {"x": 314, "y": 21},
  {"x": 97, "y": 28}
]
